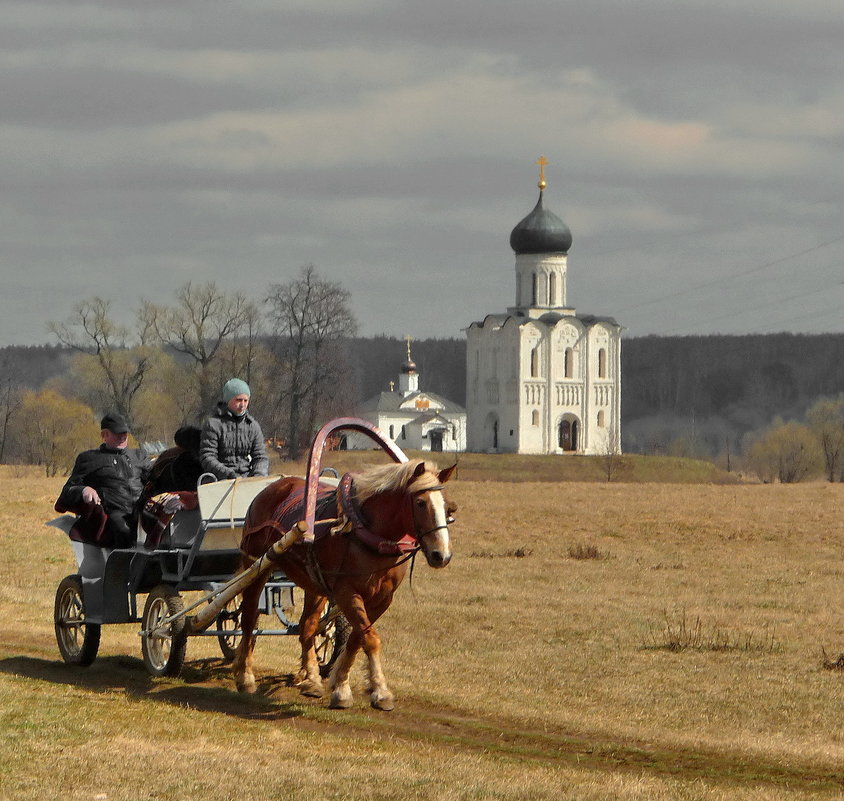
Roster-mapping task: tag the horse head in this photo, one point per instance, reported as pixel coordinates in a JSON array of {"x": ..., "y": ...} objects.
[{"x": 432, "y": 512}]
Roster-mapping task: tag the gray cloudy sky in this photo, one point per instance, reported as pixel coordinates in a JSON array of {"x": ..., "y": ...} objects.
[{"x": 695, "y": 148}]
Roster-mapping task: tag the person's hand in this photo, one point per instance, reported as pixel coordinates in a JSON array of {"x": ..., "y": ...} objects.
[{"x": 89, "y": 495}]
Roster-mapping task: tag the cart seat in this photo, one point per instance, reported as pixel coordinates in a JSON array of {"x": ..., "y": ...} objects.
[{"x": 222, "y": 510}]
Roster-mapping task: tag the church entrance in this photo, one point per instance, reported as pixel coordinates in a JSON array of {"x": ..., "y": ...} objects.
[
  {"x": 436, "y": 439},
  {"x": 568, "y": 434},
  {"x": 491, "y": 433}
]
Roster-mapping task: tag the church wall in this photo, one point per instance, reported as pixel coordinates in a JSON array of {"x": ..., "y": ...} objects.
[
  {"x": 602, "y": 408},
  {"x": 567, "y": 381},
  {"x": 534, "y": 356},
  {"x": 415, "y": 437},
  {"x": 492, "y": 365}
]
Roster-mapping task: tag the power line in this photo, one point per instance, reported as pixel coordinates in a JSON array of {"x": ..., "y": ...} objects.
[{"x": 741, "y": 274}]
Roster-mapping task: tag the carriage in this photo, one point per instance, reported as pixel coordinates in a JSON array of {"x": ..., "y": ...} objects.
[
  {"x": 198, "y": 551},
  {"x": 206, "y": 549}
]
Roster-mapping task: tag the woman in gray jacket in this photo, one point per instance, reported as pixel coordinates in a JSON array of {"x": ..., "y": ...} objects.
[{"x": 232, "y": 443}]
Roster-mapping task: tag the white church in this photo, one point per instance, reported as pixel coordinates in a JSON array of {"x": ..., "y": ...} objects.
[
  {"x": 541, "y": 378},
  {"x": 411, "y": 417}
]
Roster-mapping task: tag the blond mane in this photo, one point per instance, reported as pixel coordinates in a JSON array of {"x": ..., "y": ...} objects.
[{"x": 389, "y": 478}]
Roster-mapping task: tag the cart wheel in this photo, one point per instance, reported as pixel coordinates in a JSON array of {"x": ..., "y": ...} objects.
[
  {"x": 229, "y": 620},
  {"x": 333, "y": 632},
  {"x": 78, "y": 641},
  {"x": 164, "y": 653}
]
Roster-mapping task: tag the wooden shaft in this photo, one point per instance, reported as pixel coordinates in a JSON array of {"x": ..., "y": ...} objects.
[{"x": 259, "y": 569}]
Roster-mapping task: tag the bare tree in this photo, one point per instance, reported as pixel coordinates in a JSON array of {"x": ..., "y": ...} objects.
[
  {"x": 826, "y": 419},
  {"x": 122, "y": 364},
  {"x": 311, "y": 320},
  {"x": 203, "y": 321},
  {"x": 611, "y": 459},
  {"x": 10, "y": 402}
]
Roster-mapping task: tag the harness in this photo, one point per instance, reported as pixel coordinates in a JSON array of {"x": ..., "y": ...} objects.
[
  {"x": 348, "y": 520},
  {"x": 408, "y": 543}
]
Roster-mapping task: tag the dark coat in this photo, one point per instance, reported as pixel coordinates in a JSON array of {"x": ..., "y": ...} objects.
[
  {"x": 118, "y": 476},
  {"x": 177, "y": 469},
  {"x": 231, "y": 447}
]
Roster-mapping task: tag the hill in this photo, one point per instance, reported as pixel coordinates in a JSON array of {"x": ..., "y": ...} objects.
[{"x": 515, "y": 467}]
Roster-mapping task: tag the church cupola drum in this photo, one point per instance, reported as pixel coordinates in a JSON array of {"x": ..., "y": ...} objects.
[{"x": 542, "y": 378}]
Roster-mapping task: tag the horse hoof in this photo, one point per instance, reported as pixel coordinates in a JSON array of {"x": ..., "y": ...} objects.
[
  {"x": 310, "y": 689},
  {"x": 384, "y": 704},
  {"x": 340, "y": 701}
]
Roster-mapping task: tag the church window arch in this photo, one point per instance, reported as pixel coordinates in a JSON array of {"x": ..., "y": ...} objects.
[
  {"x": 552, "y": 289},
  {"x": 568, "y": 363},
  {"x": 392, "y": 431},
  {"x": 534, "y": 417},
  {"x": 533, "y": 290},
  {"x": 602, "y": 363},
  {"x": 601, "y": 423},
  {"x": 534, "y": 362}
]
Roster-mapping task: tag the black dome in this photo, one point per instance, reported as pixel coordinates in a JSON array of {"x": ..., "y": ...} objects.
[{"x": 540, "y": 232}]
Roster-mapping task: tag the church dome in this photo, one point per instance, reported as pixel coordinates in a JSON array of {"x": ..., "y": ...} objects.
[
  {"x": 409, "y": 367},
  {"x": 541, "y": 231}
]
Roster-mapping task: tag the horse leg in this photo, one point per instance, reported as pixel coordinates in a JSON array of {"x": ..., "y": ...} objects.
[
  {"x": 308, "y": 679},
  {"x": 363, "y": 636},
  {"x": 242, "y": 667},
  {"x": 338, "y": 683},
  {"x": 380, "y": 696}
]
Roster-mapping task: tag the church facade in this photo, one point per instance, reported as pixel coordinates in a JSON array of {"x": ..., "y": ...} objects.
[
  {"x": 413, "y": 418},
  {"x": 542, "y": 378}
]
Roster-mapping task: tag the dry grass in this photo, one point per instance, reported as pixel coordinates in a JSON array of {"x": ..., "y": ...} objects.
[
  {"x": 529, "y": 676},
  {"x": 516, "y": 467}
]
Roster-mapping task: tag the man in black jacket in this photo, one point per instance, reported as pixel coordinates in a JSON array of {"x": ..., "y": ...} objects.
[{"x": 111, "y": 477}]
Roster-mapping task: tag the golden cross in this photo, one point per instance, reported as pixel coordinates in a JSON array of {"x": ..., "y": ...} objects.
[
  {"x": 408, "y": 339},
  {"x": 542, "y": 162}
]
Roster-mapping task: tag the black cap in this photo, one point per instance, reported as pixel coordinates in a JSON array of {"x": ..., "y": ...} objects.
[{"x": 115, "y": 423}]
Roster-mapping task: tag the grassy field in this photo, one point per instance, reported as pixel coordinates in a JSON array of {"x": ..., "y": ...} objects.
[{"x": 633, "y": 640}]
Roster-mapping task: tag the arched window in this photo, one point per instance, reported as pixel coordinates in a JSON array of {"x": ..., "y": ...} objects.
[
  {"x": 568, "y": 363},
  {"x": 602, "y": 363},
  {"x": 392, "y": 430},
  {"x": 533, "y": 290},
  {"x": 534, "y": 417},
  {"x": 534, "y": 362},
  {"x": 552, "y": 289},
  {"x": 601, "y": 419}
]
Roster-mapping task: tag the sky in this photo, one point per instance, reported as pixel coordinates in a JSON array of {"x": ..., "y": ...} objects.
[{"x": 695, "y": 149}]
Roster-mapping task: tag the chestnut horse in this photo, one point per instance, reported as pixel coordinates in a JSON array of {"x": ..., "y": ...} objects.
[{"x": 378, "y": 520}]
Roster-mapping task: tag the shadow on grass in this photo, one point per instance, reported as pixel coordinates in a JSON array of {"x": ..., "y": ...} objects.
[{"x": 127, "y": 674}]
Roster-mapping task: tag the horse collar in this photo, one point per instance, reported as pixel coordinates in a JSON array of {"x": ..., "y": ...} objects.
[{"x": 375, "y": 542}]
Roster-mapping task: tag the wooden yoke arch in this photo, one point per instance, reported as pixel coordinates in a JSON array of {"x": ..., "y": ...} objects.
[{"x": 315, "y": 459}]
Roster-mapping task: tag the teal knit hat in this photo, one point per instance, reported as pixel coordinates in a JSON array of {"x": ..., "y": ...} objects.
[{"x": 233, "y": 387}]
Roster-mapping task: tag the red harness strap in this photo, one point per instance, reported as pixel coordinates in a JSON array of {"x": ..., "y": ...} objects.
[{"x": 381, "y": 545}]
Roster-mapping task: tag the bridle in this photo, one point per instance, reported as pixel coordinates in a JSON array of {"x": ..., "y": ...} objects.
[{"x": 448, "y": 518}]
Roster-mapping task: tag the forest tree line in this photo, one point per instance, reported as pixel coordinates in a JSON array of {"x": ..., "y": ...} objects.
[{"x": 703, "y": 396}]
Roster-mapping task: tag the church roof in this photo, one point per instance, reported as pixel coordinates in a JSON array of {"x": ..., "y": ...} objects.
[
  {"x": 397, "y": 402},
  {"x": 549, "y": 318},
  {"x": 431, "y": 417},
  {"x": 541, "y": 231}
]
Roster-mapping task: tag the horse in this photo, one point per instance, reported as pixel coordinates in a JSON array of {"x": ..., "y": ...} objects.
[{"x": 358, "y": 558}]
